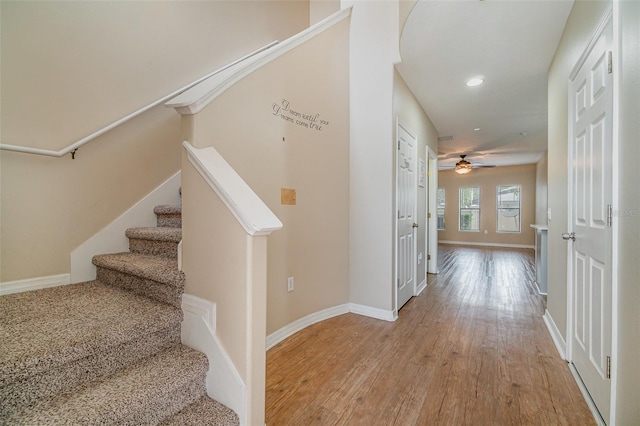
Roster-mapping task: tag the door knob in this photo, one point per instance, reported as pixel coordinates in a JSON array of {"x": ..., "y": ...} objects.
[
  {"x": 569, "y": 236},
  {"x": 415, "y": 225}
]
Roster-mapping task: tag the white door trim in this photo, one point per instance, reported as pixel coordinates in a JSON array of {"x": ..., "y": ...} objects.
[
  {"x": 607, "y": 17},
  {"x": 432, "y": 232}
]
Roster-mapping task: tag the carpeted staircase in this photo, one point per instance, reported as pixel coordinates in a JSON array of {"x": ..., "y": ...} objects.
[{"x": 107, "y": 351}]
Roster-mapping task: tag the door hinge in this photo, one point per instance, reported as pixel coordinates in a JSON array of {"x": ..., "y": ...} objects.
[
  {"x": 398, "y": 284},
  {"x": 428, "y": 215},
  {"x": 610, "y": 62},
  {"x": 398, "y": 144},
  {"x": 398, "y": 214},
  {"x": 428, "y": 257},
  {"x": 608, "y": 367},
  {"x": 609, "y": 215}
]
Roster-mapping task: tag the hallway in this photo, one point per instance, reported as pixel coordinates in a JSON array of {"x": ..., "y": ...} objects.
[{"x": 472, "y": 349}]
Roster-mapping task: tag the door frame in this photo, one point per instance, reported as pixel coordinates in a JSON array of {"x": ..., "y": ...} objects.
[
  {"x": 399, "y": 124},
  {"x": 608, "y": 16},
  {"x": 432, "y": 215}
]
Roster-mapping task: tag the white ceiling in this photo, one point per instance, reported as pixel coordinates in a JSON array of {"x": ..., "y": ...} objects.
[{"x": 509, "y": 43}]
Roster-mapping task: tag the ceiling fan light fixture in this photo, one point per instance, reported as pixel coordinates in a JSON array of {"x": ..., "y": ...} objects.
[{"x": 463, "y": 166}]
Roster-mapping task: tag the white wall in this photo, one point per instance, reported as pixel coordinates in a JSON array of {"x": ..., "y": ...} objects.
[
  {"x": 628, "y": 368},
  {"x": 373, "y": 51},
  {"x": 581, "y": 25}
]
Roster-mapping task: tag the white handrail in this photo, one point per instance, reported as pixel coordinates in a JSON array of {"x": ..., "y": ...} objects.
[
  {"x": 245, "y": 205},
  {"x": 74, "y": 147}
]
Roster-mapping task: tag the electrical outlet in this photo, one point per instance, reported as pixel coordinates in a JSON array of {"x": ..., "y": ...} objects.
[{"x": 290, "y": 284}]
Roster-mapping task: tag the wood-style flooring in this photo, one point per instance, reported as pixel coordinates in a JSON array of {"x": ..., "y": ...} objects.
[{"x": 472, "y": 349}]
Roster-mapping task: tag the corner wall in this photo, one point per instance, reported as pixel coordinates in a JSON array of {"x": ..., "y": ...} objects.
[
  {"x": 409, "y": 112},
  {"x": 286, "y": 126},
  {"x": 628, "y": 349},
  {"x": 542, "y": 189}
]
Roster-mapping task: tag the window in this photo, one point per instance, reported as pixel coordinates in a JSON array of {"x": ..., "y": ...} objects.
[
  {"x": 469, "y": 209},
  {"x": 440, "y": 204},
  {"x": 508, "y": 208}
]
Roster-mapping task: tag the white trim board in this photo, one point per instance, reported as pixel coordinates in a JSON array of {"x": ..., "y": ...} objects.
[
  {"x": 29, "y": 284},
  {"x": 291, "y": 329},
  {"x": 302, "y": 323},
  {"x": 111, "y": 238},
  {"x": 465, "y": 243},
  {"x": 558, "y": 340},
  {"x": 224, "y": 383},
  {"x": 587, "y": 398}
]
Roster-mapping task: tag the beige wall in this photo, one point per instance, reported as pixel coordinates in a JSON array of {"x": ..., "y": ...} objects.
[
  {"x": 581, "y": 25},
  {"x": 271, "y": 153},
  {"x": 487, "y": 180},
  {"x": 409, "y": 112},
  {"x": 542, "y": 189},
  {"x": 69, "y": 68},
  {"x": 628, "y": 369}
]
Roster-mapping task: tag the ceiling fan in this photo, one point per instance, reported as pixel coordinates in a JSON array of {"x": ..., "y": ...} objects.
[{"x": 463, "y": 167}]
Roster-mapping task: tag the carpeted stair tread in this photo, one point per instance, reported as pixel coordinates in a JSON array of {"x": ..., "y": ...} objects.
[
  {"x": 205, "y": 411},
  {"x": 168, "y": 209},
  {"x": 155, "y": 234},
  {"x": 144, "y": 393},
  {"x": 159, "y": 269},
  {"x": 169, "y": 215},
  {"x": 46, "y": 328}
]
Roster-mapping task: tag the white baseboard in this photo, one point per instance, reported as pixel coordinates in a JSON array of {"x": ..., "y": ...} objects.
[
  {"x": 224, "y": 383},
  {"x": 29, "y": 284},
  {"x": 421, "y": 287},
  {"x": 291, "y": 329},
  {"x": 558, "y": 340},
  {"x": 111, "y": 238},
  {"x": 587, "y": 397},
  {"x": 466, "y": 243},
  {"x": 376, "y": 313}
]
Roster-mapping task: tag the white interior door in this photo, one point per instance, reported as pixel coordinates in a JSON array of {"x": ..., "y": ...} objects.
[
  {"x": 406, "y": 262},
  {"x": 591, "y": 142}
]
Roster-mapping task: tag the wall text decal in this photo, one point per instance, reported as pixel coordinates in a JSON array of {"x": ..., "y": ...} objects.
[{"x": 287, "y": 113}]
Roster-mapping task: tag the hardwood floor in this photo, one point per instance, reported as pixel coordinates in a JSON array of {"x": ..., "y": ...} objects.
[{"x": 472, "y": 349}]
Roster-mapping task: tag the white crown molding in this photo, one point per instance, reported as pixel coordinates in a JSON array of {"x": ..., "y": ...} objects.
[{"x": 20, "y": 286}]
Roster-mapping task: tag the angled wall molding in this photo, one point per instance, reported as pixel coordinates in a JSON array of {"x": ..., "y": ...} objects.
[{"x": 197, "y": 98}]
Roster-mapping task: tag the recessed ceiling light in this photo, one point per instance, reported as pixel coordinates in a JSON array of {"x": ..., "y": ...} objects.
[
  {"x": 475, "y": 82},
  {"x": 476, "y": 129}
]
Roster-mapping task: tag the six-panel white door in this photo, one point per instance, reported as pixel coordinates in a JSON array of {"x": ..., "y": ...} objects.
[
  {"x": 591, "y": 108},
  {"x": 406, "y": 216}
]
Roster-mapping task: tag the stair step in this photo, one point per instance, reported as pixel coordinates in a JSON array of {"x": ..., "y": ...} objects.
[
  {"x": 58, "y": 338},
  {"x": 169, "y": 215},
  {"x": 205, "y": 411},
  {"x": 152, "y": 276},
  {"x": 157, "y": 241},
  {"x": 144, "y": 393}
]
